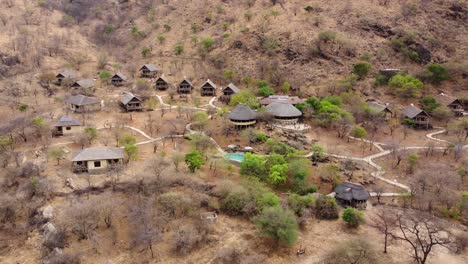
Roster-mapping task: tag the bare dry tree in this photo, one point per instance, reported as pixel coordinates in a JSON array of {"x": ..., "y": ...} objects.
[
  {"x": 384, "y": 222},
  {"x": 422, "y": 233},
  {"x": 144, "y": 230}
]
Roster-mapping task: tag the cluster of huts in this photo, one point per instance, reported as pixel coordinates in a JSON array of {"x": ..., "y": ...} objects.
[
  {"x": 280, "y": 107},
  {"x": 421, "y": 119}
]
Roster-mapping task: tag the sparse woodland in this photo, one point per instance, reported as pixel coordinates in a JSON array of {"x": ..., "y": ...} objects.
[{"x": 172, "y": 196}]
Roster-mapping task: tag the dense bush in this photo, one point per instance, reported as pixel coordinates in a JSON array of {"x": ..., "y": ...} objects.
[
  {"x": 352, "y": 217},
  {"x": 264, "y": 88},
  {"x": 253, "y": 165},
  {"x": 326, "y": 208},
  {"x": 188, "y": 237},
  {"x": 354, "y": 251},
  {"x": 361, "y": 69},
  {"x": 245, "y": 97},
  {"x": 235, "y": 202},
  {"x": 429, "y": 104},
  {"x": 435, "y": 73},
  {"x": 176, "y": 204},
  {"x": 278, "y": 224},
  {"x": 406, "y": 86},
  {"x": 268, "y": 199},
  {"x": 194, "y": 160},
  {"x": 298, "y": 203}
]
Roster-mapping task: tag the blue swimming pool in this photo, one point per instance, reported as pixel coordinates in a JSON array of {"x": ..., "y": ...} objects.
[{"x": 237, "y": 157}]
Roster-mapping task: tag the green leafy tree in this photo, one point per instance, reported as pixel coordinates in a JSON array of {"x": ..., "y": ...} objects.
[
  {"x": 278, "y": 174},
  {"x": 57, "y": 154},
  {"x": 406, "y": 86},
  {"x": 245, "y": 97},
  {"x": 264, "y": 88},
  {"x": 412, "y": 161},
  {"x": 352, "y": 217},
  {"x": 436, "y": 73},
  {"x": 298, "y": 169},
  {"x": 359, "y": 132},
  {"x": 194, "y": 160},
  {"x": 278, "y": 224},
  {"x": 127, "y": 140},
  {"x": 131, "y": 150},
  {"x": 200, "y": 119},
  {"x": 429, "y": 104},
  {"x": 268, "y": 199},
  {"x": 361, "y": 69},
  {"x": 285, "y": 88},
  {"x": 253, "y": 165},
  {"x": 318, "y": 153},
  {"x": 91, "y": 133},
  {"x": 105, "y": 76}
]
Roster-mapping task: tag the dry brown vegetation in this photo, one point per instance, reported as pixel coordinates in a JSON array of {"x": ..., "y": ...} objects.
[{"x": 150, "y": 210}]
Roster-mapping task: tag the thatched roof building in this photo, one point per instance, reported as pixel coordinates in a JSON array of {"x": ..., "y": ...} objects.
[
  {"x": 418, "y": 116},
  {"x": 284, "y": 112},
  {"x": 351, "y": 194},
  {"x": 242, "y": 116}
]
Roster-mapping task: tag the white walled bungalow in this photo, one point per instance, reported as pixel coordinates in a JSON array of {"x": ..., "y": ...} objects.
[
  {"x": 97, "y": 159},
  {"x": 67, "y": 125}
]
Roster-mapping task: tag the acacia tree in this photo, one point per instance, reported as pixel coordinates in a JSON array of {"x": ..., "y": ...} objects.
[{"x": 421, "y": 232}]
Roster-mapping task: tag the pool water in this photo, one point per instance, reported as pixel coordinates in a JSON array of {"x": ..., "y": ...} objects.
[{"x": 238, "y": 157}]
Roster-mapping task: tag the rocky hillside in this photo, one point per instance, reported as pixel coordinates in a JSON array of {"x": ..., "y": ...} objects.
[{"x": 310, "y": 44}]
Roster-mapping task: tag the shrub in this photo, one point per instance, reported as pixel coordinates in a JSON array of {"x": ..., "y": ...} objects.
[
  {"x": 268, "y": 199},
  {"x": 186, "y": 238},
  {"x": 196, "y": 27},
  {"x": 167, "y": 27},
  {"x": 326, "y": 207},
  {"x": 361, "y": 69},
  {"x": 278, "y": 224},
  {"x": 301, "y": 187},
  {"x": 179, "y": 49},
  {"x": 270, "y": 44},
  {"x": 145, "y": 52},
  {"x": 207, "y": 44},
  {"x": 359, "y": 132},
  {"x": 176, "y": 204},
  {"x": 298, "y": 169},
  {"x": 264, "y": 88},
  {"x": 235, "y": 202},
  {"x": 161, "y": 39},
  {"x": 436, "y": 73},
  {"x": 352, "y": 217},
  {"x": 353, "y": 251},
  {"x": 194, "y": 160},
  {"x": 253, "y": 165},
  {"x": 23, "y": 107},
  {"x": 406, "y": 86},
  {"x": 429, "y": 104},
  {"x": 327, "y": 36},
  {"x": 278, "y": 174},
  {"x": 298, "y": 203}
]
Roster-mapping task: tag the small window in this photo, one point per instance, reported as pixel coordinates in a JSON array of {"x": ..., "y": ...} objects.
[
  {"x": 68, "y": 128},
  {"x": 97, "y": 164}
]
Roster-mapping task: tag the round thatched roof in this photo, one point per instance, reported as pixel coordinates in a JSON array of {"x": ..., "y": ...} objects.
[
  {"x": 283, "y": 109},
  {"x": 242, "y": 113}
]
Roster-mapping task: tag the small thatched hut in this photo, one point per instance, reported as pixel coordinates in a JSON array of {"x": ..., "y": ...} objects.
[
  {"x": 242, "y": 116},
  {"x": 350, "y": 194}
]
